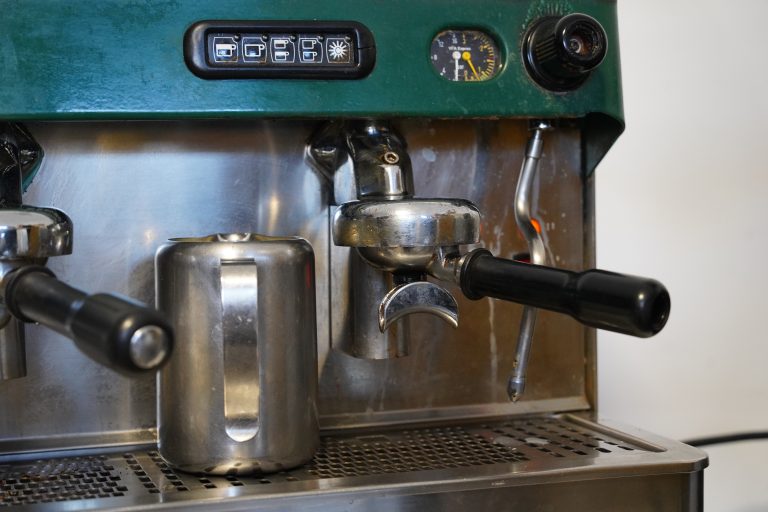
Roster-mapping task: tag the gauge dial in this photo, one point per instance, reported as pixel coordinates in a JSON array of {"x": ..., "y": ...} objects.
[{"x": 465, "y": 56}]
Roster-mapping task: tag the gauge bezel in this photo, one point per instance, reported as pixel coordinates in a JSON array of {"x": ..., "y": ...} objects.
[{"x": 488, "y": 31}]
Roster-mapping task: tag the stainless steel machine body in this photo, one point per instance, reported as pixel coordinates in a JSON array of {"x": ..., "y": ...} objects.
[
  {"x": 253, "y": 173},
  {"x": 431, "y": 430},
  {"x": 255, "y": 186}
]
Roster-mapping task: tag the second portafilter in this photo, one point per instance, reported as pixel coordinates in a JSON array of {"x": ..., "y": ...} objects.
[{"x": 115, "y": 331}]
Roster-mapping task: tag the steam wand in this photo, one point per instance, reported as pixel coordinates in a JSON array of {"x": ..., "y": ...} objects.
[{"x": 536, "y": 249}]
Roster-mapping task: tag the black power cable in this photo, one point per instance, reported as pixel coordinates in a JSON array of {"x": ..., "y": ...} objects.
[{"x": 727, "y": 438}]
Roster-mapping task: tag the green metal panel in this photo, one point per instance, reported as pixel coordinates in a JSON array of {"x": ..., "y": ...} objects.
[{"x": 123, "y": 59}]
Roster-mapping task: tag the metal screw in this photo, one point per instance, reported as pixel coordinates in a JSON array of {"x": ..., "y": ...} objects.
[
  {"x": 391, "y": 157},
  {"x": 541, "y": 124}
]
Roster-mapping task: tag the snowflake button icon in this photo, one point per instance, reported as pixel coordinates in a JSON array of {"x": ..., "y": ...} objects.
[{"x": 338, "y": 50}]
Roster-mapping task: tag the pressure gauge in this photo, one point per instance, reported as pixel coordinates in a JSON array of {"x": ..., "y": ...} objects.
[{"x": 465, "y": 56}]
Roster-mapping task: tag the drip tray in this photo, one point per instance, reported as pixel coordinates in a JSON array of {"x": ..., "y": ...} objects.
[{"x": 385, "y": 462}]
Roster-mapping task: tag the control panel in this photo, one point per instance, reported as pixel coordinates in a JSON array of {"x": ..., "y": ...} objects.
[{"x": 279, "y": 49}]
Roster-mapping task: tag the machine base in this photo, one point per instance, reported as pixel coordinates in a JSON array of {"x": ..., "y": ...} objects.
[{"x": 554, "y": 462}]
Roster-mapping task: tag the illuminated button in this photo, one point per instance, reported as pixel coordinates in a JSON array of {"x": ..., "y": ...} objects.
[
  {"x": 282, "y": 49},
  {"x": 310, "y": 49},
  {"x": 254, "y": 50},
  {"x": 339, "y": 50},
  {"x": 224, "y": 49}
]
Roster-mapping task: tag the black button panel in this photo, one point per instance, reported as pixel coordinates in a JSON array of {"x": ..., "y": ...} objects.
[
  {"x": 251, "y": 49},
  {"x": 279, "y": 49}
]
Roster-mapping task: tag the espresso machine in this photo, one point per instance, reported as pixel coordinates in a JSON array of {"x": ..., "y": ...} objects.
[{"x": 403, "y": 191}]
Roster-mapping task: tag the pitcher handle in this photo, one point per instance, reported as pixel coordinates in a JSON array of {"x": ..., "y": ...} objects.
[{"x": 239, "y": 308}]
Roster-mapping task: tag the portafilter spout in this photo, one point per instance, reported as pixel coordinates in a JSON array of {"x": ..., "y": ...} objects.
[
  {"x": 390, "y": 230},
  {"x": 408, "y": 237}
]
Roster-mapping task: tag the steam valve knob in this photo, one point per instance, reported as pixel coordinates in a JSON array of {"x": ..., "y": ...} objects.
[{"x": 561, "y": 52}]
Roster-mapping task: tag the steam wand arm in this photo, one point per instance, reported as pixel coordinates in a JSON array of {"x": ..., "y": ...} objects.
[
  {"x": 121, "y": 334},
  {"x": 524, "y": 219}
]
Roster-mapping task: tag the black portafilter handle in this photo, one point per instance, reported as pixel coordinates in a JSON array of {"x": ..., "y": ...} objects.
[
  {"x": 121, "y": 334},
  {"x": 606, "y": 300}
]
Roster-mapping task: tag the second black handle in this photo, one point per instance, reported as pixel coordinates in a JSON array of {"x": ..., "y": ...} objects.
[
  {"x": 116, "y": 332},
  {"x": 606, "y": 300}
]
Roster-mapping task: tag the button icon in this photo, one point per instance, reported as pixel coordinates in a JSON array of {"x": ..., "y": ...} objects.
[
  {"x": 339, "y": 50},
  {"x": 283, "y": 49},
  {"x": 224, "y": 49},
  {"x": 254, "y": 50},
  {"x": 311, "y": 50}
]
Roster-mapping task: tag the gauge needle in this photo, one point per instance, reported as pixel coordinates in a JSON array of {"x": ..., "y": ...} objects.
[
  {"x": 468, "y": 57},
  {"x": 456, "y": 58}
]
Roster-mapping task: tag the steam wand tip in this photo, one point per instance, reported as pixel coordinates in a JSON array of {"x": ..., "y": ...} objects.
[{"x": 515, "y": 388}]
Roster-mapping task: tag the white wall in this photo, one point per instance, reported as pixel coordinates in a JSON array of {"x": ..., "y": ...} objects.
[{"x": 683, "y": 197}]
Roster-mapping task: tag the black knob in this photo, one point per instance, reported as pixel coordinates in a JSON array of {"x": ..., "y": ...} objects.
[
  {"x": 560, "y": 52},
  {"x": 117, "y": 332}
]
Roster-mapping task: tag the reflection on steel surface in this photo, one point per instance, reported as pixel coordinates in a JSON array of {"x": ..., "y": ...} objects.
[{"x": 130, "y": 186}]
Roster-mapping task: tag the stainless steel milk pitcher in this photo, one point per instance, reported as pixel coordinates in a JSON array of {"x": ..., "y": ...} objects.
[{"x": 239, "y": 394}]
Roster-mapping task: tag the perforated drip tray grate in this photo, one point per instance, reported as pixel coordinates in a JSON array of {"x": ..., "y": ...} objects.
[{"x": 121, "y": 476}]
